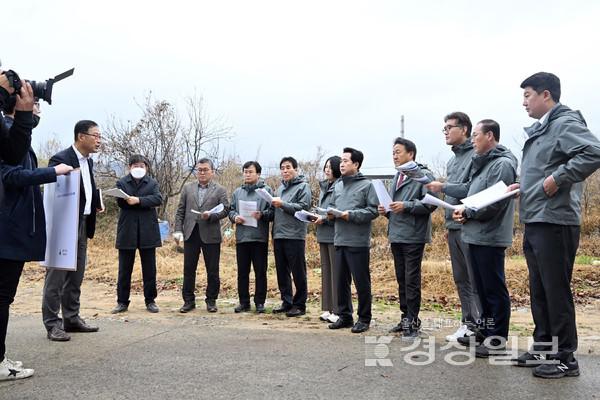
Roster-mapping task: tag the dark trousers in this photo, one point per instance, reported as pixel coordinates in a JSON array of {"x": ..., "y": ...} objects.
[
  {"x": 462, "y": 272},
  {"x": 191, "y": 253},
  {"x": 353, "y": 263},
  {"x": 407, "y": 262},
  {"x": 488, "y": 271},
  {"x": 550, "y": 252},
  {"x": 62, "y": 289},
  {"x": 126, "y": 260},
  {"x": 289, "y": 258},
  {"x": 254, "y": 253},
  {"x": 10, "y": 272}
]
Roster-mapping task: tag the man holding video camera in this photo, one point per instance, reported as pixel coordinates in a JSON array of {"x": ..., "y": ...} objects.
[{"x": 14, "y": 145}]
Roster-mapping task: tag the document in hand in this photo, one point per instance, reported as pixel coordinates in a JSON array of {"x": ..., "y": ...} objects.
[
  {"x": 488, "y": 196},
  {"x": 264, "y": 194},
  {"x": 412, "y": 170},
  {"x": 306, "y": 216},
  {"x": 382, "y": 194},
  {"x": 429, "y": 199},
  {"x": 329, "y": 210},
  {"x": 213, "y": 210},
  {"x": 116, "y": 192},
  {"x": 246, "y": 209}
]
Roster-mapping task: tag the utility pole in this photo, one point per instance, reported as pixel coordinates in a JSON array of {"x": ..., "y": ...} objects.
[{"x": 402, "y": 126}]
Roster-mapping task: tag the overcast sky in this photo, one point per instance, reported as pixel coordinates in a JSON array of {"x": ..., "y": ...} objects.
[{"x": 290, "y": 76}]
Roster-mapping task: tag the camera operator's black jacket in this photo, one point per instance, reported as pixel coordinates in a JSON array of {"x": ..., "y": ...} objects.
[{"x": 15, "y": 141}]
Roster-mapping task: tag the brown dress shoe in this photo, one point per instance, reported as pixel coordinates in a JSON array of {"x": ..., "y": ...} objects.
[
  {"x": 80, "y": 326},
  {"x": 57, "y": 334}
]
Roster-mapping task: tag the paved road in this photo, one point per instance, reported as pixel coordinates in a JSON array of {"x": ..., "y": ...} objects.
[{"x": 134, "y": 360}]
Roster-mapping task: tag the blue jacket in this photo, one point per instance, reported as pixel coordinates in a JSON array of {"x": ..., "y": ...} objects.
[{"x": 22, "y": 218}]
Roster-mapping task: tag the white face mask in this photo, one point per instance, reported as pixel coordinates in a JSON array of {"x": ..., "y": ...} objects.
[{"x": 138, "y": 173}]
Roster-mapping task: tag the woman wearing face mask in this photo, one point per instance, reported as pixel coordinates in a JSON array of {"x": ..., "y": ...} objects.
[{"x": 138, "y": 229}]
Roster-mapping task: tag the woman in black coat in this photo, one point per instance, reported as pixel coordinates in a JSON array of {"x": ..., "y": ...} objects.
[{"x": 138, "y": 229}]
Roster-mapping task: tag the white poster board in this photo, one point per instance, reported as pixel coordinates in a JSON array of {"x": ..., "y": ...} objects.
[{"x": 61, "y": 205}]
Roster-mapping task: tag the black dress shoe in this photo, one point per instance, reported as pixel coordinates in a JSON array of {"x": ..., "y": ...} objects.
[
  {"x": 559, "y": 369},
  {"x": 340, "y": 323},
  {"x": 360, "y": 327},
  {"x": 397, "y": 328},
  {"x": 493, "y": 347},
  {"x": 242, "y": 308},
  {"x": 211, "y": 305},
  {"x": 80, "y": 326},
  {"x": 528, "y": 360},
  {"x": 282, "y": 309},
  {"x": 119, "y": 308},
  {"x": 187, "y": 306},
  {"x": 152, "y": 307},
  {"x": 58, "y": 334},
  {"x": 475, "y": 339},
  {"x": 295, "y": 312},
  {"x": 260, "y": 308}
]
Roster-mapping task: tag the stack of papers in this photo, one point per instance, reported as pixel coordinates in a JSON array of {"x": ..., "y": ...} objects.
[{"x": 412, "y": 170}]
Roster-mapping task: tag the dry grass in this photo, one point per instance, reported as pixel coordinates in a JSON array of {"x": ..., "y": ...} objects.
[{"x": 437, "y": 283}]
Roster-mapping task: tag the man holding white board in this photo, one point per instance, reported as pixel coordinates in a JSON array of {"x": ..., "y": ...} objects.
[{"x": 62, "y": 288}]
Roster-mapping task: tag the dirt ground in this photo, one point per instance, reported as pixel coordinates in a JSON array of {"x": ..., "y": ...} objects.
[{"x": 98, "y": 299}]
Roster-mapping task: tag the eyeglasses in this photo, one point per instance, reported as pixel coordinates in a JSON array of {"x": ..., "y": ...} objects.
[
  {"x": 448, "y": 127},
  {"x": 95, "y": 135},
  {"x": 203, "y": 170}
]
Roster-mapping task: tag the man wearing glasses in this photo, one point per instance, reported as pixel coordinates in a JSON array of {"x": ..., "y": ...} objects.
[
  {"x": 62, "y": 289},
  {"x": 457, "y": 131},
  {"x": 201, "y": 232}
]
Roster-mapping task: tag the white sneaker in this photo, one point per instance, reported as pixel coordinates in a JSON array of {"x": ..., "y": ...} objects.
[
  {"x": 17, "y": 364},
  {"x": 9, "y": 370},
  {"x": 324, "y": 316},
  {"x": 461, "y": 332},
  {"x": 333, "y": 318}
]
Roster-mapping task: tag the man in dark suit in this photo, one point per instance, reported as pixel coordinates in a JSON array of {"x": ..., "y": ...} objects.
[
  {"x": 63, "y": 288},
  {"x": 201, "y": 232}
]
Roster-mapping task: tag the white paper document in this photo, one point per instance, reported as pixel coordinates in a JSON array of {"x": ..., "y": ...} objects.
[
  {"x": 329, "y": 210},
  {"x": 429, "y": 199},
  {"x": 246, "y": 208},
  {"x": 61, "y": 206},
  {"x": 116, "y": 192},
  {"x": 213, "y": 210},
  {"x": 488, "y": 196},
  {"x": 411, "y": 169},
  {"x": 382, "y": 193},
  {"x": 264, "y": 194},
  {"x": 306, "y": 216}
]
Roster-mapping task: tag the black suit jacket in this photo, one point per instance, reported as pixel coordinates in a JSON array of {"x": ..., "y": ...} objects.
[{"x": 68, "y": 156}]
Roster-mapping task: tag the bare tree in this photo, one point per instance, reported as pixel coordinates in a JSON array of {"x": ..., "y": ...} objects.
[{"x": 173, "y": 146}]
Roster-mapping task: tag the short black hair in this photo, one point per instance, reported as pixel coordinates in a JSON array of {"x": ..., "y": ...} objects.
[
  {"x": 408, "y": 145},
  {"x": 205, "y": 160},
  {"x": 490, "y": 125},
  {"x": 462, "y": 119},
  {"x": 83, "y": 126},
  {"x": 138, "y": 158},
  {"x": 544, "y": 81},
  {"x": 355, "y": 155},
  {"x": 248, "y": 164},
  {"x": 334, "y": 164},
  {"x": 291, "y": 160}
]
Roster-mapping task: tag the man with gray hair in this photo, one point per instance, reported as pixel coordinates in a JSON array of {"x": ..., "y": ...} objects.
[{"x": 201, "y": 232}]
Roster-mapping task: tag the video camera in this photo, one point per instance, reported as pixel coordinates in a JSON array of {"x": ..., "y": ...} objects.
[{"x": 41, "y": 90}]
